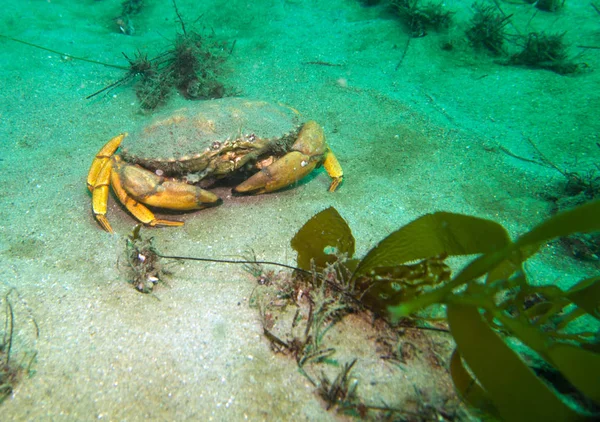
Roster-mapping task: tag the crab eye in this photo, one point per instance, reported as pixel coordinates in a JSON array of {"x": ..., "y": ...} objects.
[{"x": 216, "y": 145}]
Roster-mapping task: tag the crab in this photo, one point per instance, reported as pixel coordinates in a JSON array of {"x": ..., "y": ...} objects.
[{"x": 170, "y": 163}]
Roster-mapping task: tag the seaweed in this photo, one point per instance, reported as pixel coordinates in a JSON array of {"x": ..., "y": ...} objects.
[
  {"x": 129, "y": 8},
  {"x": 144, "y": 267},
  {"x": 488, "y": 304},
  {"x": 420, "y": 18},
  {"x": 11, "y": 370},
  {"x": 195, "y": 68},
  {"x": 547, "y": 5},
  {"x": 193, "y": 64},
  {"x": 487, "y": 29},
  {"x": 341, "y": 391},
  {"x": 577, "y": 188},
  {"x": 544, "y": 51},
  {"x": 523, "y": 350},
  {"x": 368, "y": 3},
  {"x": 321, "y": 238}
]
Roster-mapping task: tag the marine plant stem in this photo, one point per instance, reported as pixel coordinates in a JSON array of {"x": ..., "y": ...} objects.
[
  {"x": 64, "y": 54},
  {"x": 234, "y": 261}
]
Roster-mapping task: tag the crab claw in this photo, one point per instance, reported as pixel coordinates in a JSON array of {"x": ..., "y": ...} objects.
[
  {"x": 150, "y": 189},
  {"x": 287, "y": 170},
  {"x": 309, "y": 150}
]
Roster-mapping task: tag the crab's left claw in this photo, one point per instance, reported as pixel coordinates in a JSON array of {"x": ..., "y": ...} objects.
[{"x": 309, "y": 150}]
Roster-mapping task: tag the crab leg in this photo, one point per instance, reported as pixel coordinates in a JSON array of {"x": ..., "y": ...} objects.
[
  {"x": 99, "y": 189},
  {"x": 99, "y": 178},
  {"x": 307, "y": 152},
  {"x": 101, "y": 159}
]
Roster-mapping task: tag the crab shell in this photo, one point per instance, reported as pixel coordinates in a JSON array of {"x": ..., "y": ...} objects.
[
  {"x": 168, "y": 163},
  {"x": 214, "y": 139}
]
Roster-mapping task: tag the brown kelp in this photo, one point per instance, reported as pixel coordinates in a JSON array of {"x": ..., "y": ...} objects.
[
  {"x": 523, "y": 350},
  {"x": 490, "y": 304}
]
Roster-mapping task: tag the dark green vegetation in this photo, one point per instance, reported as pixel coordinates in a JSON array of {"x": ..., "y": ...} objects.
[
  {"x": 547, "y": 5},
  {"x": 489, "y": 304},
  {"x": 129, "y": 8},
  {"x": 11, "y": 369},
  {"x": 535, "y": 50},
  {"x": 577, "y": 187},
  {"x": 544, "y": 51},
  {"x": 488, "y": 28},
  {"x": 193, "y": 66},
  {"x": 420, "y": 17}
]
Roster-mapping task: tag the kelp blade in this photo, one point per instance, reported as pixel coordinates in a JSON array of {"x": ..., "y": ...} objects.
[
  {"x": 388, "y": 286},
  {"x": 581, "y": 367},
  {"x": 583, "y": 219},
  {"x": 435, "y": 234},
  {"x": 469, "y": 390},
  {"x": 586, "y": 295},
  {"x": 517, "y": 393},
  {"x": 326, "y": 230}
]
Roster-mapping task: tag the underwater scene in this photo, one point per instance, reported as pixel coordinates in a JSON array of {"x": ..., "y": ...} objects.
[{"x": 300, "y": 210}]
